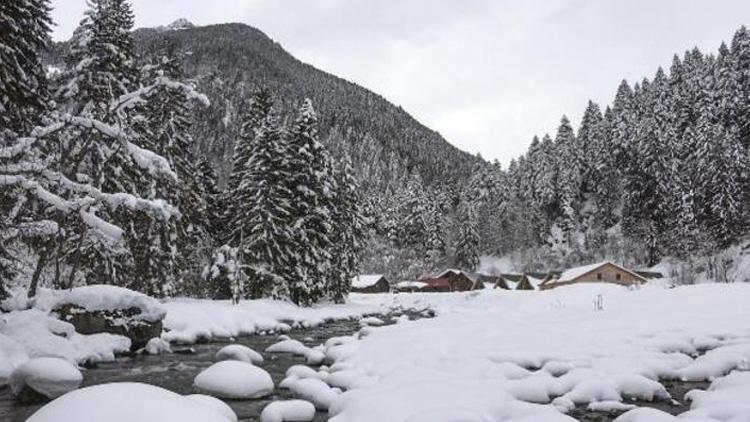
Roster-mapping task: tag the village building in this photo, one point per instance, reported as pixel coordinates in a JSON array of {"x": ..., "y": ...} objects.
[
  {"x": 409, "y": 286},
  {"x": 602, "y": 272},
  {"x": 452, "y": 281},
  {"x": 525, "y": 281},
  {"x": 370, "y": 283}
]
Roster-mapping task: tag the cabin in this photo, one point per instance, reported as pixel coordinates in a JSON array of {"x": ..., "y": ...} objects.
[
  {"x": 525, "y": 281},
  {"x": 602, "y": 272},
  {"x": 409, "y": 286},
  {"x": 370, "y": 283},
  {"x": 452, "y": 281}
]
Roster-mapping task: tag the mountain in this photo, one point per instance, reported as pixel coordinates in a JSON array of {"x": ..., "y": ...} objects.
[{"x": 229, "y": 61}]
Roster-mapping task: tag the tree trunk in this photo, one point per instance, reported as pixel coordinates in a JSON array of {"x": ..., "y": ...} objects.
[{"x": 38, "y": 272}]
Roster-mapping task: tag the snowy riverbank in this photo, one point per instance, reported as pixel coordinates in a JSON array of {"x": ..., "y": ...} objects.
[
  {"x": 497, "y": 356},
  {"x": 28, "y": 333}
]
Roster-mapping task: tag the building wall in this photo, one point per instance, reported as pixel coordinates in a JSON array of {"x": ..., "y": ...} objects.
[
  {"x": 381, "y": 286},
  {"x": 607, "y": 273}
]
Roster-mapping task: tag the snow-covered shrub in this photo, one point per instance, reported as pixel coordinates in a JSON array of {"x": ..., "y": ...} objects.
[{"x": 223, "y": 280}]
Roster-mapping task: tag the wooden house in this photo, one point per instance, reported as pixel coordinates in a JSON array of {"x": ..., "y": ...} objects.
[
  {"x": 409, "y": 286},
  {"x": 370, "y": 283},
  {"x": 602, "y": 272},
  {"x": 452, "y": 281}
]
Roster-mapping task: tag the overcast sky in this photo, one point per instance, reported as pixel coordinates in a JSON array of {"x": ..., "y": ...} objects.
[{"x": 486, "y": 74}]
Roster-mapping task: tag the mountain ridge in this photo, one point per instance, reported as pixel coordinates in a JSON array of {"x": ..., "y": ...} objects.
[{"x": 229, "y": 61}]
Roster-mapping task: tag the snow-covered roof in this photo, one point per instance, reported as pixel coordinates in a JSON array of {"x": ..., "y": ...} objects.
[
  {"x": 406, "y": 284},
  {"x": 366, "y": 280},
  {"x": 573, "y": 273}
]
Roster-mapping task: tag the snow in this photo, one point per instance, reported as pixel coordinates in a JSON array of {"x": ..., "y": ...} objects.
[
  {"x": 157, "y": 346},
  {"x": 314, "y": 391},
  {"x": 371, "y": 321},
  {"x": 239, "y": 352},
  {"x": 101, "y": 297},
  {"x": 214, "y": 404},
  {"x": 288, "y": 411},
  {"x": 51, "y": 377},
  {"x": 573, "y": 273},
  {"x": 190, "y": 320},
  {"x": 232, "y": 379},
  {"x": 532, "y": 355},
  {"x": 365, "y": 280},
  {"x": 410, "y": 285},
  {"x": 127, "y": 402},
  {"x": 34, "y": 333}
]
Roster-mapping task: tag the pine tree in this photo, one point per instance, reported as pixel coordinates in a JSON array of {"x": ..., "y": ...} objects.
[
  {"x": 348, "y": 233},
  {"x": 467, "y": 243},
  {"x": 259, "y": 109},
  {"x": 313, "y": 189},
  {"x": 23, "y": 100},
  {"x": 260, "y": 224}
]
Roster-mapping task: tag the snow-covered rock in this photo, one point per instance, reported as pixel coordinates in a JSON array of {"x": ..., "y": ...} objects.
[
  {"x": 239, "y": 352},
  {"x": 232, "y": 379},
  {"x": 107, "y": 309},
  {"x": 126, "y": 402},
  {"x": 313, "y": 390},
  {"x": 288, "y": 411},
  {"x": 371, "y": 321},
  {"x": 157, "y": 346},
  {"x": 215, "y": 404},
  {"x": 294, "y": 347},
  {"x": 44, "y": 378}
]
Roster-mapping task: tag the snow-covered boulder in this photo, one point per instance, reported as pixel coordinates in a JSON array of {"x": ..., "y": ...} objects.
[
  {"x": 288, "y": 411},
  {"x": 157, "y": 346},
  {"x": 41, "y": 379},
  {"x": 239, "y": 352},
  {"x": 127, "y": 402},
  {"x": 294, "y": 347},
  {"x": 215, "y": 404},
  {"x": 108, "y": 309},
  {"x": 233, "y": 379},
  {"x": 313, "y": 390}
]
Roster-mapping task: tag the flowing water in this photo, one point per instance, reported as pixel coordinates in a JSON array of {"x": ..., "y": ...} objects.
[{"x": 176, "y": 371}]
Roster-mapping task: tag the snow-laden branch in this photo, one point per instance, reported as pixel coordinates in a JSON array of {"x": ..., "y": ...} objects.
[{"x": 133, "y": 98}]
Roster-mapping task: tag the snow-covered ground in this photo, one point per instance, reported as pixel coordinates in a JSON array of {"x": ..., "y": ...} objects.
[
  {"x": 491, "y": 355},
  {"x": 510, "y": 355}
]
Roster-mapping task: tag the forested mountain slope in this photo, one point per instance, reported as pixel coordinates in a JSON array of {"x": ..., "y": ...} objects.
[{"x": 230, "y": 61}]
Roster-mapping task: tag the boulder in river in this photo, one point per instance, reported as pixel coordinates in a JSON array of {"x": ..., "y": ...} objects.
[
  {"x": 42, "y": 379},
  {"x": 109, "y": 309}
]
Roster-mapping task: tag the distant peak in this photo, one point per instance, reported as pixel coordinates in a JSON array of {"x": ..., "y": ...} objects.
[{"x": 181, "y": 23}]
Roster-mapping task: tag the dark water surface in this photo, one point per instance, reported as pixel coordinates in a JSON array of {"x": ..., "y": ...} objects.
[{"x": 176, "y": 371}]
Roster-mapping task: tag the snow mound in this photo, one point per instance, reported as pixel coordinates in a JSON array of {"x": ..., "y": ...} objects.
[
  {"x": 103, "y": 298},
  {"x": 288, "y": 411},
  {"x": 157, "y": 346},
  {"x": 214, "y": 404},
  {"x": 126, "y": 402},
  {"x": 51, "y": 377},
  {"x": 240, "y": 353},
  {"x": 232, "y": 379},
  {"x": 371, "y": 321},
  {"x": 313, "y": 390},
  {"x": 294, "y": 347}
]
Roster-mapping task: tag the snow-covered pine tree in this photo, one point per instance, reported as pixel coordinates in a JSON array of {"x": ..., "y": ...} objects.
[
  {"x": 23, "y": 100},
  {"x": 253, "y": 118},
  {"x": 173, "y": 246},
  {"x": 262, "y": 210},
  {"x": 467, "y": 242},
  {"x": 348, "y": 234},
  {"x": 313, "y": 189},
  {"x": 211, "y": 198},
  {"x": 221, "y": 276},
  {"x": 100, "y": 72}
]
